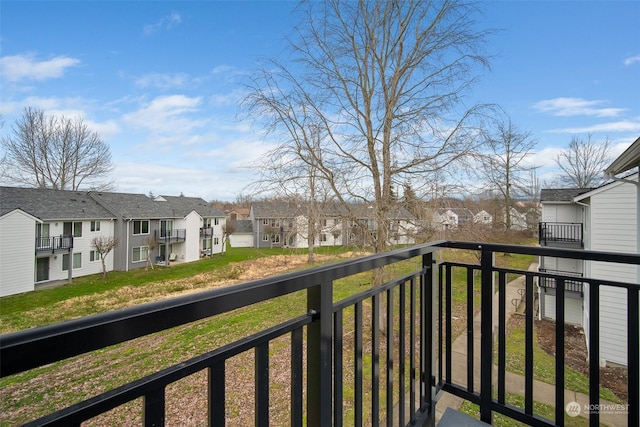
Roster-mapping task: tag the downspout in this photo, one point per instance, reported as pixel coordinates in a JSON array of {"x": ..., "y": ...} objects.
[{"x": 126, "y": 249}]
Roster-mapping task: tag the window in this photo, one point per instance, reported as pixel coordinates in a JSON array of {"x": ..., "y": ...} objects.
[
  {"x": 275, "y": 238},
  {"x": 72, "y": 229},
  {"x": 206, "y": 223},
  {"x": 77, "y": 261},
  {"x": 265, "y": 221},
  {"x": 216, "y": 221},
  {"x": 42, "y": 230},
  {"x": 95, "y": 225},
  {"x": 140, "y": 253},
  {"x": 265, "y": 237},
  {"x": 324, "y": 222},
  {"x": 216, "y": 241},
  {"x": 94, "y": 256},
  {"x": 141, "y": 226},
  {"x": 206, "y": 243},
  {"x": 323, "y": 237},
  {"x": 166, "y": 228}
]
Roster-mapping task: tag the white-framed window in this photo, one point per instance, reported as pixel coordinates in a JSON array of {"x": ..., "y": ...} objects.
[
  {"x": 206, "y": 223},
  {"x": 94, "y": 256},
  {"x": 77, "y": 261},
  {"x": 275, "y": 238},
  {"x": 323, "y": 237},
  {"x": 72, "y": 229},
  {"x": 95, "y": 225},
  {"x": 206, "y": 243},
  {"x": 140, "y": 226},
  {"x": 265, "y": 237},
  {"x": 216, "y": 221},
  {"x": 265, "y": 221},
  {"x": 140, "y": 253},
  {"x": 42, "y": 230},
  {"x": 216, "y": 241}
]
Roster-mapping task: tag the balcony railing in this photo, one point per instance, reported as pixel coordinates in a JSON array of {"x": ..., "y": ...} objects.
[
  {"x": 560, "y": 232},
  {"x": 550, "y": 281},
  {"x": 397, "y": 335},
  {"x": 53, "y": 244},
  {"x": 206, "y": 231},
  {"x": 170, "y": 236}
]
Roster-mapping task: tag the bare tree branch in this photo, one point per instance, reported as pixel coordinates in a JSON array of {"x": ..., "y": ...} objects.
[
  {"x": 57, "y": 153},
  {"x": 583, "y": 161},
  {"x": 384, "y": 81}
]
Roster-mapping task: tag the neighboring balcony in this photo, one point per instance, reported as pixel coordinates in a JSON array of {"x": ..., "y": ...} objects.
[
  {"x": 53, "y": 245},
  {"x": 561, "y": 234},
  {"x": 551, "y": 282},
  {"x": 206, "y": 232},
  {"x": 170, "y": 236},
  {"x": 383, "y": 356}
]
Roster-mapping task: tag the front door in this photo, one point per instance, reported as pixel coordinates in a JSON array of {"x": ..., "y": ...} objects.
[{"x": 42, "y": 269}]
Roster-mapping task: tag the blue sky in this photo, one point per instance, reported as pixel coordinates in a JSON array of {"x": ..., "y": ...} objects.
[{"x": 161, "y": 81}]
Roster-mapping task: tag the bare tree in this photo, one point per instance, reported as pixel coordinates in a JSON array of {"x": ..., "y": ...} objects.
[
  {"x": 103, "y": 245},
  {"x": 502, "y": 165},
  {"x": 583, "y": 161},
  {"x": 56, "y": 152},
  {"x": 384, "y": 82},
  {"x": 228, "y": 228}
]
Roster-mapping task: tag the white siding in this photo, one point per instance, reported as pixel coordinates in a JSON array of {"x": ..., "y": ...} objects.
[
  {"x": 572, "y": 309},
  {"x": 82, "y": 245},
  {"x": 614, "y": 229},
  {"x": 555, "y": 212},
  {"x": 241, "y": 240},
  {"x": 190, "y": 250},
  {"x": 217, "y": 233},
  {"x": 17, "y": 248}
]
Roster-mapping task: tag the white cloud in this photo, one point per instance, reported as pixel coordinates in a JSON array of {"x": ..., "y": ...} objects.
[
  {"x": 167, "y": 23},
  {"x": 15, "y": 68},
  {"x": 576, "y": 107},
  {"x": 619, "y": 126},
  {"x": 630, "y": 60},
  {"x": 167, "y": 114},
  {"x": 165, "y": 81}
]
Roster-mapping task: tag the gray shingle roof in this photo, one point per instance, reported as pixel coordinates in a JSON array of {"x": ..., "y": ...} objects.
[
  {"x": 140, "y": 206},
  {"x": 561, "y": 194},
  {"x": 51, "y": 204},
  {"x": 243, "y": 226}
]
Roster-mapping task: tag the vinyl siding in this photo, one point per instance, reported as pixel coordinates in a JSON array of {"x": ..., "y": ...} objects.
[
  {"x": 614, "y": 229},
  {"x": 17, "y": 248},
  {"x": 572, "y": 309}
]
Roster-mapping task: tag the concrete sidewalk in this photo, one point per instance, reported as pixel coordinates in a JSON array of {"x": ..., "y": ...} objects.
[{"x": 514, "y": 384}]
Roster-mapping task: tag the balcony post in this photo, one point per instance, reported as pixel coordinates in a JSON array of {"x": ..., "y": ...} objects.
[
  {"x": 319, "y": 355},
  {"x": 486, "y": 334},
  {"x": 428, "y": 355}
]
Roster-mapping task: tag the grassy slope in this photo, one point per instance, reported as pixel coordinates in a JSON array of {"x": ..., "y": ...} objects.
[{"x": 132, "y": 360}]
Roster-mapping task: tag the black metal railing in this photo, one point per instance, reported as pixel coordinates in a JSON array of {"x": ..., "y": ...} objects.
[
  {"x": 560, "y": 232},
  {"x": 170, "y": 236},
  {"x": 550, "y": 281},
  {"x": 206, "y": 231},
  {"x": 397, "y": 335},
  {"x": 479, "y": 389},
  {"x": 53, "y": 244}
]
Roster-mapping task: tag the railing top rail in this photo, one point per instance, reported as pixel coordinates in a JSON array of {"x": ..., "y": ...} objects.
[
  {"x": 622, "y": 258},
  {"x": 61, "y": 340}
]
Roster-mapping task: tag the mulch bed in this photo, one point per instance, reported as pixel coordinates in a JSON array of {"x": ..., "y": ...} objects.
[{"x": 575, "y": 354}]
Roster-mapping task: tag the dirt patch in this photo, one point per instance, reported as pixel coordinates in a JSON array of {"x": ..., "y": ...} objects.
[{"x": 575, "y": 354}]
